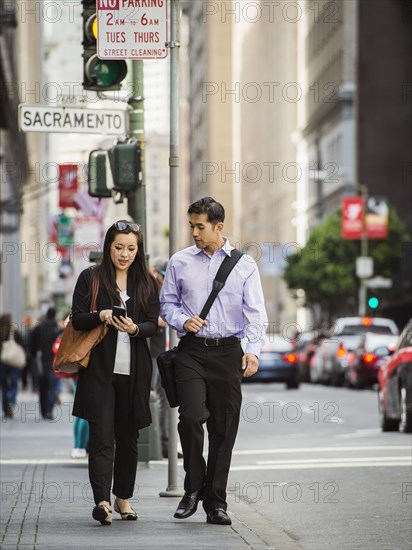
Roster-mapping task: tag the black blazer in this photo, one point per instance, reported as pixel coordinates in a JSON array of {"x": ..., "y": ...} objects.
[{"x": 95, "y": 381}]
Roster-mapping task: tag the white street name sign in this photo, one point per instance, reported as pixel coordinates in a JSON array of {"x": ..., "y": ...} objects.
[
  {"x": 379, "y": 282},
  {"x": 72, "y": 119},
  {"x": 131, "y": 29},
  {"x": 364, "y": 267}
]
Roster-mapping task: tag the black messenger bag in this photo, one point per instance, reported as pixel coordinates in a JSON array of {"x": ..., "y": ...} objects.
[{"x": 165, "y": 360}]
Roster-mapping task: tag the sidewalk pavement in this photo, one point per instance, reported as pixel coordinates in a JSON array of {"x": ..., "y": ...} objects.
[{"x": 46, "y": 500}]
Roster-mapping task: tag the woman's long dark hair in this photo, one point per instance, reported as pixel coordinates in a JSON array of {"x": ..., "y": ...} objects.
[{"x": 142, "y": 282}]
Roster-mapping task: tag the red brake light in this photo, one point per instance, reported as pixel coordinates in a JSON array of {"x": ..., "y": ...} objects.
[
  {"x": 367, "y": 321},
  {"x": 341, "y": 352},
  {"x": 291, "y": 358},
  {"x": 369, "y": 358}
]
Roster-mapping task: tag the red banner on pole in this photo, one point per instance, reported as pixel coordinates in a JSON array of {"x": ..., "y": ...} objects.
[
  {"x": 68, "y": 182},
  {"x": 352, "y": 217}
]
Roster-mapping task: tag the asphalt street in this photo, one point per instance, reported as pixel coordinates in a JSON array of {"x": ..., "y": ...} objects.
[
  {"x": 310, "y": 470},
  {"x": 315, "y": 463}
]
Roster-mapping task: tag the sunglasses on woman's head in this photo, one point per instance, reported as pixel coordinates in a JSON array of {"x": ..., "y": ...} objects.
[{"x": 123, "y": 226}]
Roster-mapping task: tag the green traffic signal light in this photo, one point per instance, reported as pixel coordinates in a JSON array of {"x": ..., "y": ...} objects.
[
  {"x": 373, "y": 302},
  {"x": 103, "y": 74},
  {"x": 98, "y": 74}
]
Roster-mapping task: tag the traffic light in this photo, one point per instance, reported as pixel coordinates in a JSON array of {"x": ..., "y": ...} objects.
[
  {"x": 119, "y": 169},
  {"x": 373, "y": 302},
  {"x": 126, "y": 161},
  {"x": 99, "y": 178},
  {"x": 98, "y": 74}
]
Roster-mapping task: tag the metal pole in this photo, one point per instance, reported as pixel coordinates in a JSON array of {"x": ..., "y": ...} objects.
[
  {"x": 136, "y": 204},
  {"x": 172, "y": 486},
  {"x": 319, "y": 182},
  {"x": 363, "y": 253}
]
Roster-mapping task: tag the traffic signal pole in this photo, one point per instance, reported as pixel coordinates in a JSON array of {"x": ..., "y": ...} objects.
[
  {"x": 364, "y": 254},
  {"x": 136, "y": 203},
  {"x": 174, "y": 45}
]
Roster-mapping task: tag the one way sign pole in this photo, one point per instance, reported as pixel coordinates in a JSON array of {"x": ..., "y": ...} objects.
[{"x": 136, "y": 204}]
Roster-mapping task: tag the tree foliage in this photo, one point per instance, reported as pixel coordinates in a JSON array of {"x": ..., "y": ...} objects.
[{"x": 325, "y": 268}]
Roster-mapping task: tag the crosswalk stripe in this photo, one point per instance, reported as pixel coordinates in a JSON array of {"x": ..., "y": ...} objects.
[
  {"x": 323, "y": 449},
  {"x": 331, "y": 460},
  {"x": 323, "y": 465}
]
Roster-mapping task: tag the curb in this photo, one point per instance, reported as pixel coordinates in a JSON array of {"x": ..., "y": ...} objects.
[{"x": 257, "y": 531}]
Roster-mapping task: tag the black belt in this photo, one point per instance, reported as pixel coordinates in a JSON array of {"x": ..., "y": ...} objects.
[{"x": 215, "y": 342}]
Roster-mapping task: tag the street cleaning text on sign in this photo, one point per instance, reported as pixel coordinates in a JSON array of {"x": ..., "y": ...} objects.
[{"x": 131, "y": 29}]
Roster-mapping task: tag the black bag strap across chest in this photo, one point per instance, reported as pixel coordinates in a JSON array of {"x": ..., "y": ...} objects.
[{"x": 219, "y": 281}]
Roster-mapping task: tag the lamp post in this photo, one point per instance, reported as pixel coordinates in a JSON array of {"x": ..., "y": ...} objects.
[
  {"x": 363, "y": 253},
  {"x": 172, "y": 489},
  {"x": 364, "y": 265}
]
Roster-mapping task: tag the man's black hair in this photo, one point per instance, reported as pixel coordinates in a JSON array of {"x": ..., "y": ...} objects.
[{"x": 214, "y": 210}]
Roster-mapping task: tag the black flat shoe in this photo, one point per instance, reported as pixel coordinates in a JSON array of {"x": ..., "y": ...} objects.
[
  {"x": 188, "y": 505},
  {"x": 218, "y": 516},
  {"x": 103, "y": 514},
  {"x": 129, "y": 516}
]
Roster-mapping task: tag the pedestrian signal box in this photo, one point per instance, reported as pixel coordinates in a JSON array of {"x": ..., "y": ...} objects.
[{"x": 118, "y": 169}]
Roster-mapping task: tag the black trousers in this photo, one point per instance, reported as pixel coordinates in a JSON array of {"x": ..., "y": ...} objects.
[
  {"x": 208, "y": 383},
  {"x": 113, "y": 440}
]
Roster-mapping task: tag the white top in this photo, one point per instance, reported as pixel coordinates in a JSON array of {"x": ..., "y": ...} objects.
[{"x": 122, "y": 359}]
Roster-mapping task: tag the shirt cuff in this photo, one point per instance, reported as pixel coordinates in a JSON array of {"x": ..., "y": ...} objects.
[
  {"x": 182, "y": 320},
  {"x": 254, "y": 348}
]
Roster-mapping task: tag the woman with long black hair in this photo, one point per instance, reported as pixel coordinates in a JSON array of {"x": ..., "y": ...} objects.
[{"x": 113, "y": 393}]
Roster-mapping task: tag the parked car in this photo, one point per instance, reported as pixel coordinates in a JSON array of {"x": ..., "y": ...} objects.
[
  {"x": 370, "y": 354},
  {"x": 330, "y": 360},
  {"x": 395, "y": 386},
  {"x": 277, "y": 363},
  {"x": 304, "y": 348}
]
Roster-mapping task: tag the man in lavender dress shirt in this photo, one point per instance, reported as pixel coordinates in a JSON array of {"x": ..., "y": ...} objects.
[{"x": 211, "y": 363}]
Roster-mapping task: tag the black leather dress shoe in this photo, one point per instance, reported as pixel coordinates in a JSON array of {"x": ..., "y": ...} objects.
[
  {"x": 218, "y": 516},
  {"x": 188, "y": 505}
]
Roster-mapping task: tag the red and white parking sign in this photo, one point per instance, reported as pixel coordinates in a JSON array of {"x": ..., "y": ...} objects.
[{"x": 131, "y": 29}]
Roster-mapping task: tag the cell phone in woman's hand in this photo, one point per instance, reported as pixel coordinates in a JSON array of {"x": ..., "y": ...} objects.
[{"x": 118, "y": 311}]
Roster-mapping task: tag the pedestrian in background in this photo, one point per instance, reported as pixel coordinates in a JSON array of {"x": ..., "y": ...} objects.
[
  {"x": 158, "y": 344},
  {"x": 113, "y": 393},
  {"x": 210, "y": 363},
  {"x": 80, "y": 433},
  {"x": 41, "y": 340},
  {"x": 80, "y": 426},
  {"x": 9, "y": 375},
  {"x": 25, "y": 373}
]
